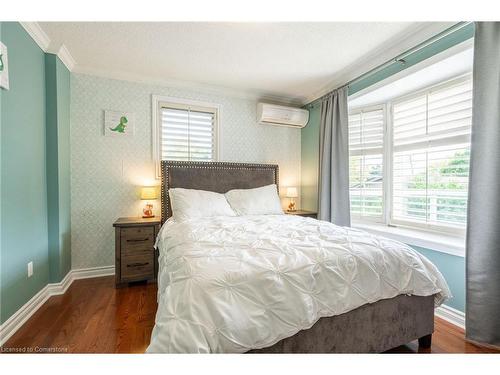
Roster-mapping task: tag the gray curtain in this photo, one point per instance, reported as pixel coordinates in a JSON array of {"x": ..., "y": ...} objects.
[
  {"x": 334, "y": 159},
  {"x": 483, "y": 227}
]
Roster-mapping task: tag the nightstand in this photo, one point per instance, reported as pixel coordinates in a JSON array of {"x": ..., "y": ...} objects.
[
  {"x": 303, "y": 213},
  {"x": 135, "y": 256}
]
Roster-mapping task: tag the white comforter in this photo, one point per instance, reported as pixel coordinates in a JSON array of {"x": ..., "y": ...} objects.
[{"x": 230, "y": 284}]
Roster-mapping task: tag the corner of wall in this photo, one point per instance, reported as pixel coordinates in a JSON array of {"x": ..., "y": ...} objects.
[{"x": 58, "y": 172}]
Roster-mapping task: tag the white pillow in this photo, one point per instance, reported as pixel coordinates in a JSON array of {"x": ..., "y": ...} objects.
[
  {"x": 190, "y": 204},
  {"x": 259, "y": 201}
]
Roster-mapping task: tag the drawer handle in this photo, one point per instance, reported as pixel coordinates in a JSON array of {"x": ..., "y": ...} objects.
[
  {"x": 137, "y": 264},
  {"x": 138, "y": 240}
]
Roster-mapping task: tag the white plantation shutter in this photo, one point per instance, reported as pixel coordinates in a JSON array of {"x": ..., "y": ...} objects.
[
  {"x": 431, "y": 138},
  {"x": 366, "y": 141},
  {"x": 187, "y": 132}
]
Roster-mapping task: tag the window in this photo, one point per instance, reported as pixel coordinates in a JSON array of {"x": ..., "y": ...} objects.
[
  {"x": 425, "y": 148},
  {"x": 184, "y": 130},
  {"x": 366, "y": 139},
  {"x": 431, "y": 137}
]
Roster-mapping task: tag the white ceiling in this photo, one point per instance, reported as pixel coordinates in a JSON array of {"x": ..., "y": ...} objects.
[{"x": 292, "y": 62}]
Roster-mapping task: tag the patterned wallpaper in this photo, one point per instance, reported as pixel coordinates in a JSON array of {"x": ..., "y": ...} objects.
[{"x": 106, "y": 172}]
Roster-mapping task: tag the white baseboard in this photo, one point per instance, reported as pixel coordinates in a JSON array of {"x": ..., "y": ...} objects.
[
  {"x": 61, "y": 287},
  {"x": 451, "y": 315},
  {"x": 20, "y": 317},
  {"x": 87, "y": 273}
]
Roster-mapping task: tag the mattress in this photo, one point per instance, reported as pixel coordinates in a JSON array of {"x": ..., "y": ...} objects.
[{"x": 232, "y": 284}]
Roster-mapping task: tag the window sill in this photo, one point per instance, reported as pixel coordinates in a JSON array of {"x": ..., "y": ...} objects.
[{"x": 453, "y": 245}]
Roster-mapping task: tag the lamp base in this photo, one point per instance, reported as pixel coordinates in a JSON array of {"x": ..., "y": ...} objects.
[
  {"x": 147, "y": 217},
  {"x": 147, "y": 211}
]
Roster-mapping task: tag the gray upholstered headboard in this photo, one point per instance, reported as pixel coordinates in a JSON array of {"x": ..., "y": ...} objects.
[{"x": 212, "y": 176}]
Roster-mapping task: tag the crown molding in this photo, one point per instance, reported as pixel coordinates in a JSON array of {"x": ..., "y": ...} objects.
[
  {"x": 44, "y": 42},
  {"x": 37, "y": 33},
  {"x": 190, "y": 85},
  {"x": 411, "y": 37},
  {"x": 42, "y": 39},
  {"x": 404, "y": 41},
  {"x": 66, "y": 58}
]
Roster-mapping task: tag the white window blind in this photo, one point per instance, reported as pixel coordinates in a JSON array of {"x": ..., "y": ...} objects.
[
  {"x": 187, "y": 132},
  {"x": 366, "y": 141},
  {"x": 430, "y": 160}
]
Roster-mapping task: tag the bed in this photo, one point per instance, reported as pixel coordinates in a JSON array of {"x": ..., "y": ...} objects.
[{"x": 281, "y": 283}]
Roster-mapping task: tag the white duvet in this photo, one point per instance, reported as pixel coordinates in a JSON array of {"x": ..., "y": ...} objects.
[{"x": 231, "y": 284}]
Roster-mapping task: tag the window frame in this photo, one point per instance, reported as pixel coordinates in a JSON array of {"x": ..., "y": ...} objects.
[
  {"x": 387, "y": 161},
  {"x": 450, "y": 229},
  {"x": 369, "y": 108},
  {"x": 159, "y": 101}
]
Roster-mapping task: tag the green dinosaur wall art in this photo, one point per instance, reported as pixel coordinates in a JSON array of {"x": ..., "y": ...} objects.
[
  {"x": 120, "y": 128},
  {"x": 118, "y": 123}
]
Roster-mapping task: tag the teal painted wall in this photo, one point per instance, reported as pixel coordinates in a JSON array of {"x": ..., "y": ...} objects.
[
  {"x": 310, "y": 160},
  {"x": 57, "y": 78},
  {"x": 453, "y": 269},
  {"x": 35, "y": 171},
  {"x": 24, "y": 180},
  {"x": 63, "y": 120},
  {"x": 52, "y": 165}
]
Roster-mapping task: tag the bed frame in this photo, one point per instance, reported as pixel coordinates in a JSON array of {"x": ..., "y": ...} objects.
[{"x": 371, "y": 328}]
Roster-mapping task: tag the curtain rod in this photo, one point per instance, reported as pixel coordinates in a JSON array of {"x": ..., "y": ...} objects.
[{"x": 401, "y": 57}]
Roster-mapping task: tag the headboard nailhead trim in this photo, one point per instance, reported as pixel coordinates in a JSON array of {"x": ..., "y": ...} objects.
[{"x": 166, "y": 165}]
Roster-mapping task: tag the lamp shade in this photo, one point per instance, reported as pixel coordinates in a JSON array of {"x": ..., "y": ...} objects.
[
  {"x": 148, "y": 193},
  {"x": 291, "y": 192}
]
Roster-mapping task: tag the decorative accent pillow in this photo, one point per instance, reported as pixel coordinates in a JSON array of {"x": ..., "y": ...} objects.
[
  {"x": 190, "y": 204},
  {"x": 259, "y": 201}
]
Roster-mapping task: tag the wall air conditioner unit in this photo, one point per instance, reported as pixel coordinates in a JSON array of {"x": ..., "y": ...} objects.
[{"x": 271, "y": 114}]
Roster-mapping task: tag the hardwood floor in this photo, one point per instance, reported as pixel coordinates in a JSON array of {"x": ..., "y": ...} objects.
[{"x": 94, "y": 317}]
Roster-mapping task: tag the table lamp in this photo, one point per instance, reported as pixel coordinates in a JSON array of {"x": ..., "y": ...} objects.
[
  {"x": 291, "y": 192},
  {"x": 148, "y": 193}
]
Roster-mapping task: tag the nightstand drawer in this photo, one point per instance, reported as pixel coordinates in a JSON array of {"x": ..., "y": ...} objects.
[
  {"x": 137, "y": 233},
  {"x": 137, "y": 267},
  {"x": 136, "y": 246}
]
